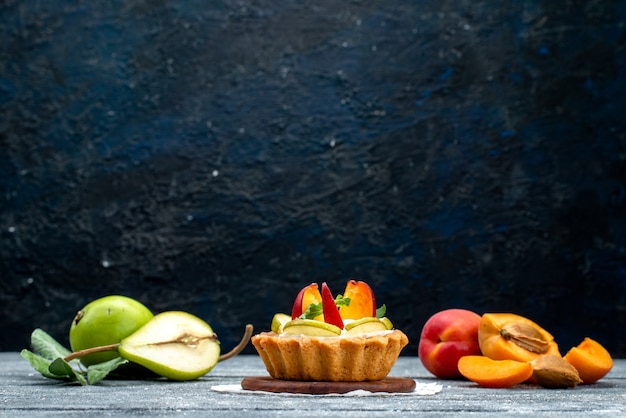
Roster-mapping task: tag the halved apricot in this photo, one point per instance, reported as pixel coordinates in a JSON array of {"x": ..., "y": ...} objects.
[
  {"x": 491, "y": 373},
  {"x": 507, "y": 336},
  {"x": 591, "y": 360}
]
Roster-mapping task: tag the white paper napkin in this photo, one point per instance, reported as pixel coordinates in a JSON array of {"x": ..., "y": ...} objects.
[{"x": 421, "y": 389}]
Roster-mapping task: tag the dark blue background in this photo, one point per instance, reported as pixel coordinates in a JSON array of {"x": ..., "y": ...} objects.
[{"x": 216, "y": 157}]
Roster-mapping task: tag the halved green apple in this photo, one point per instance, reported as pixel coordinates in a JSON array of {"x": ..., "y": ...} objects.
[
  {"x": 311, "y": 328},
  {"x": 367, "y": 324},
  {"x": 278, "y": 322},
  {"x": 173, "y": 344}
]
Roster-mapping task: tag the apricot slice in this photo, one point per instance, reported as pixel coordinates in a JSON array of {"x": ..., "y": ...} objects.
[
  {"x": 507, "y": 336},
  {"x": 362, "y": 301},
  {"x": 491, "y": 373},
  {"x": 591, "y": 360},
  {"x": 309, "y": 295}
]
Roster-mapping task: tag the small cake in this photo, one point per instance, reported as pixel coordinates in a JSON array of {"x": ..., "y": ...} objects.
[{"x": 342, "y": 339}]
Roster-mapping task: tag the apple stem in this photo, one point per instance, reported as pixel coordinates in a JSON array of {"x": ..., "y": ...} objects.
[
  {"x": 81, "y": 353},
  {"x": 239, "y": 347}
]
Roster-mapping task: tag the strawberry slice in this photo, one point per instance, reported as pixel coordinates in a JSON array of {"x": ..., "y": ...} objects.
[{"x": 331, "y": 313}]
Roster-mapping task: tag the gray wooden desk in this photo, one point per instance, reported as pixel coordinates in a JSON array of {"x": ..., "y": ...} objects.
[{"x": 23, "y": 392}]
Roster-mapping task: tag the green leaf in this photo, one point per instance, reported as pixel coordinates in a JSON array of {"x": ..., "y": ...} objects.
[
  {"x": 380, "y": 312},
  {"x": 80, "y": 377},
  {"x": 49, "y": 358},
  {"x": 97, "y": 372},
  {"x": 62, "y": 368},
  {"x": 46, "y": 346},
  {"x": 341, "y": 301},
  {"x": 314, "y": 309},
  {"x": 49, "y": 361},
  {"x": 39, "y": 363}
]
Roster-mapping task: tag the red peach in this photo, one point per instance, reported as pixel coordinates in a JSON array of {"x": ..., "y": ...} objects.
[{"x": 446, "y": 337}]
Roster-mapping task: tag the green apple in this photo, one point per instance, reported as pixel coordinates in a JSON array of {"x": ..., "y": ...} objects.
[
  {"x": 106, "y": 321},
  {"x": 173, "y": 344},
  {"x": 367, "y": 324},
  {"x": 387, "y": 322},
  {"x": 311, "y": 328},
  {"x": 278, "y": 322}
]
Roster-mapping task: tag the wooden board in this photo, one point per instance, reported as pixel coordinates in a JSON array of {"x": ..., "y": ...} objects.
[{"x": 269, "y": 384}]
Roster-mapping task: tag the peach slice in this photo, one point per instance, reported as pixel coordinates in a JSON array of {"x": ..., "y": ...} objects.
[
  {"x": 591, "y": 360},
  {"x": 362, "y": 301},
  {"x": 309, "y": 295}
]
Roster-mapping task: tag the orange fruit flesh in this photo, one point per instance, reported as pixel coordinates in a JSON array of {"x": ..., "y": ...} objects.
[
  {"x": 591, "y": 360},
  {"x": 312, "y": 296},
  {"x": 495, "y": 346},
  {"x": 362, "y": 302},
  {"x": 494, "y": 373}
]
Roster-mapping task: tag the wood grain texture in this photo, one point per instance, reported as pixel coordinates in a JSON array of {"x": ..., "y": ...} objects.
[{"x": 269, "y": 384}]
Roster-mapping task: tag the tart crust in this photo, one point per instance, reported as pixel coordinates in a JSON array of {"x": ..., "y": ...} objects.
[{"x": 336, "y": 359}]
